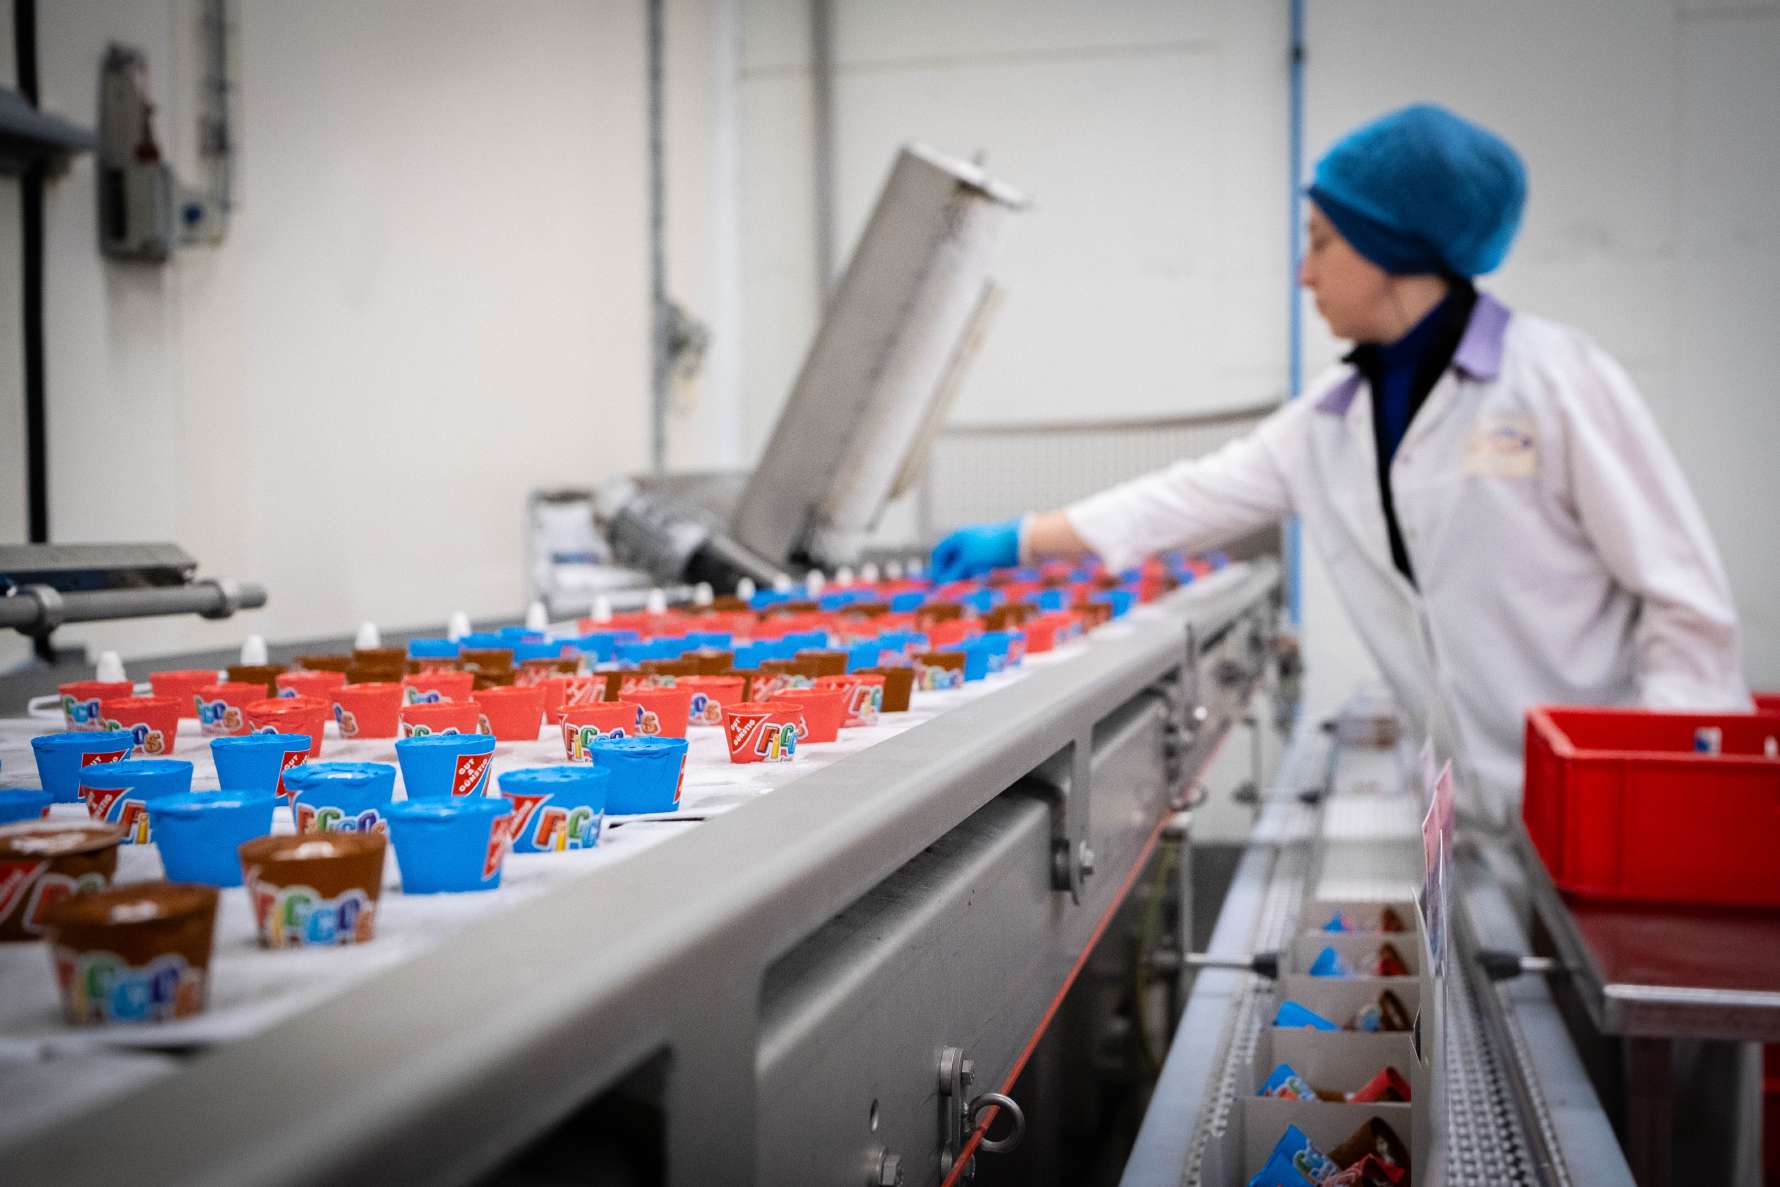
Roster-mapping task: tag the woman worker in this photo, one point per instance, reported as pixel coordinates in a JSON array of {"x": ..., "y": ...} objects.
[{"x": 1504, "y": 523}]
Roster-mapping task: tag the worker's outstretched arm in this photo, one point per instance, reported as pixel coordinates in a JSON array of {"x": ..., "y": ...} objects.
[
  {"x": 1635, "y": 504},
  {"x": 1193, "y": 504}
]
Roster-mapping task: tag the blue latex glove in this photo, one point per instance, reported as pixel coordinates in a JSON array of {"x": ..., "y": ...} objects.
[{"x": 977, "y": 549}]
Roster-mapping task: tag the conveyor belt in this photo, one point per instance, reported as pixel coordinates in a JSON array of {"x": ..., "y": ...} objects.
[{"x": 1500, "y": 1122}]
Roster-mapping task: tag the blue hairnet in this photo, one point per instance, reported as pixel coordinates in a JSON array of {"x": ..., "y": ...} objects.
[{"x": 1421, "y": 190}]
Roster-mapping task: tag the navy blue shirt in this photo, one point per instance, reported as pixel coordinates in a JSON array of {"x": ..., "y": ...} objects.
[{"x": 1401, "y": 374}]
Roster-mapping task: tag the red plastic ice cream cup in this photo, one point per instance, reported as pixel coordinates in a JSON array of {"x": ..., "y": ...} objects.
[
  {"x": 604, "y": 719},
  {"x": 665, "y": 710},
  {"x": 290, "y": 715},
  {"x": 183, "y": 685},
  {"x": 81, "y": 700},
  {"x": 571, "y": 692},
  {"x": 762, "y": 731},
  {"x": 371, "y": 710},
  {"x": 512, "y": 713},
  {"x": 823, "y": 710},
  {"x": 440, "y": 684},
  {"x": 154, "y": 721},
  {"x": 865, "y": 696},
  {"x": 222, "y": 706},
  {"x": 709, "y": 695},
  {"x": 320, "y": 685},
  {"x": 440, "y": 717}
]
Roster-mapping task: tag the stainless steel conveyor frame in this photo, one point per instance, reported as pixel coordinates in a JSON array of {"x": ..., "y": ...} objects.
[{"x": 767, "y": 981}]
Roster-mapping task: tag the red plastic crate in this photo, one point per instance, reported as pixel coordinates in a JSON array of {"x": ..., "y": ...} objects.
[{"x": 1621, "y": 807}]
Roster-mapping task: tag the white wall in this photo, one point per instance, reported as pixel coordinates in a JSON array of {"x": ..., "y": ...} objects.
[
  {"x": 1150, "y": 275},
  {"x": 432, "y": 299}
]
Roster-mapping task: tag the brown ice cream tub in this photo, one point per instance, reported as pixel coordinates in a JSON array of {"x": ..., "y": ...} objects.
[
  {"x": 938, "y": 612},
  {"x": 713, "y": 663},
  {"x": 314, "y": 889},
  {"x": 380, "y": 657},
  {"x": 43, "y": 862},
  {"x": 133, "y": 954},
  {"x": 824, "y": 663},
  {"x": 325, "y": 663},
  {"x": 264, "y": 674},
  {"x": 899, "y": 683}
]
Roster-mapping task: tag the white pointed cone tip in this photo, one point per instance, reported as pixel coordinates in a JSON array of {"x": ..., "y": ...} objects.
[
  {"x": 253, "y": 649},
  {"x": 458, "y": 626},
  {"x": 368, "y": 636},
  {"x": 110, "y": 667},
  {"x": 703, "y": 594},
  {"x": 535, "y": 618},
  {"x": 745, "y": 588},
  {"x": 658, "y": 602}
]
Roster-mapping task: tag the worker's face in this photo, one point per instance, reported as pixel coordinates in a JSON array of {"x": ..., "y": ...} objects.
[{"x": 1352, "y": 293}]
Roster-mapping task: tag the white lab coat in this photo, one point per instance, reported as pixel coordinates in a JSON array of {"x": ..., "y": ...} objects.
[{"x": 1559, "y": 554}]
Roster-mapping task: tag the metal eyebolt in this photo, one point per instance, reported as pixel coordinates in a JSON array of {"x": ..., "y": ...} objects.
[{"x": 1012, "y": 1140}]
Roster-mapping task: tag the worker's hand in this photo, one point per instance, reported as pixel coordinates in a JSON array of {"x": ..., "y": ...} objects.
[{"x": 977, "y": 549}]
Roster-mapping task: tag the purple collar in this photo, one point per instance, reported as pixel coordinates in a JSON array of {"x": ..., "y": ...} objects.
[{"x": 1479, "y": 354}]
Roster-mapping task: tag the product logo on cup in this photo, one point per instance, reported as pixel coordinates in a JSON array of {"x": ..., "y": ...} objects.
[
  {"x": 102, "y": 988},
  {"x": 286, "y": 692},
  {"x": 500, "y": 840},
  {"x": 348, "y": 723},
  {"x": 583, "y": 736},
  {"x": 651, "y": 724},
  {"x": 95, "y": 757},
  {"x": 706, "y": 709},
  {"x": 49, "y": 890},
  {"x": 149, "y": 741},
  {"x": 80, "y": 714},
  {"x": 217, "y": 715},
  {"x": 482, "y": 726},
  {"x": 470, "y": 774},
  {"x": 112, "y": 807},
  {"x": 555, "y": 829},
  {"x": 583, "y": 690},
  {"x": 420, "y": 696},
  {"x": 329, "y": 819},
  {"x": 768, "y": 743},
  {"x": 292, "y": 758},
  {"x": 290, "y": 916}
]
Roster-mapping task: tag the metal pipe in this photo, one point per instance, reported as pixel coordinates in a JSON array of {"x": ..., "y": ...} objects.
[
  {"x": 660, "y": 321},
  {"x": 38, "y": 609},
  {"x": 822, "y": 141},
  {"x": 1294, "y": 302}
]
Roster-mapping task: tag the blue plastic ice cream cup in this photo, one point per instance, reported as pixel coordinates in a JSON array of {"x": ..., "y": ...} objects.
[
  {"x": 258, "y": 762},
  {"x": 907, "y": 601},
  {"x": 349, "y": 797},
  {"x": 450, "y": 844},
  {"x": 23, "y": 803},
  {"x": 1050, "y": 600},
  {"x": 556, "y": 809},
  {"x": 61, "y": 756},
  {"x": 200, "y": 832},
  {"x": 120, "y": 792},
  {"x": 1119, "y": 599},
  {"x": 713, "y": 640},
  {"x": 646, "y": 772},
  {"x": 445, "y": 766},
  {"x": 983, "y": 600},
  {"x": 1006, "y": 648},
  {"x": 519, "y": 634},
  {"x": 546, "y": 649},
  {"x": 432, "y": 649},
  {"x": 599, "y": 646},
  {"x": 976, "y": 658},
  {"x": 863, "y": 655},
  {"x": 483, "y": 640}
]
